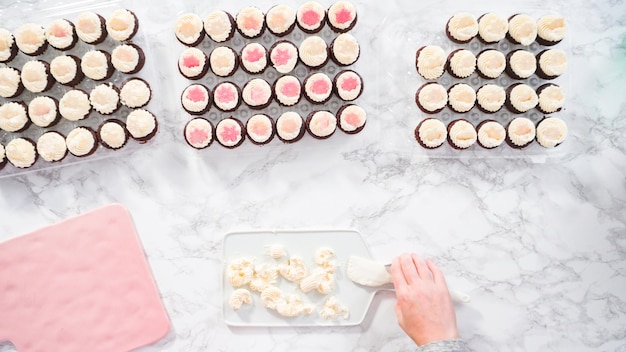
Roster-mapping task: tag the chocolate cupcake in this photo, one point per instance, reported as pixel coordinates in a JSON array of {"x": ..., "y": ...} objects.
[
  {"x": 281, "y": 20},
  {"x": 318, "y": 88},
  {"x": 250, "y": 22},
  {"x": 219, "y": 26},
  {"x": 288, "y": 90},
  {"x": 51, "y": 146},
  {"x": 224, "y": 61},
  {"x": 352, "y": 118},
  {"x": 135, "y": 93},
  {"x": 551, "y": 132},
  {"x": 430, "y": 133},
  {"x": 551, "y": 98},
  {"x": 321, "y": 124},
  {"x": 128, "y": 58},
  {"x": 491, "y": 134},
  {"x": 461, "y": 134},
  {"x": 284, "y": 56},
  {"x": 550, "y": 30},
  {"x": 21, "y": 153},
  {"x": 492, "y": 28},
  {"x": 113, "y": 134},
  {"x": 91, "y": 28},
  {"x": 10, "y": 82},
  {"x": 254, "y": 58},
  {"x": 521, "y": 98},
  {"x": 257, "y": 93},
  {"x": 490, "y": 98},
  {"x": 142, "y": 125},
  {"x": 227, "y": 96},
  {"x": 461, "y": 97},
  {"x": 344, "y": 49},
  {"x": 189, "y": 29},
  {"x": 342, "y": 16},
  {"x": 522, "y": 29},
  {"x": 462, "y": 28},
  {"x": 3, "y": 157},
  {"x": 196, "y": 99},
  {"x": 520, "y": 64},
  {"x": 520, "y": 132},
  {"x": 461, "y": 63},
  {"x": 199, "y": 133},
  {"x": 260, "y": 129},
  {"x": 490, "y": 63},
  {"x": 431, "y": 97},
  {"x": 81, "y": 141},
  {"x": 229, "y": 132},
  {"x": 8, "y": 48},
  {"x": 193, "y": 63},
  {"x": 105, "y": 98},
  {"x": 36, "y": 76},
  {"x": 348, "y": 85},
  {"x": 13, "y": 117},
  {"x": 290, "y": 127},
  {"x": 430, "y": 61},
  {"x": 61, "y": 34},
  {"x": 31, "y": 39},
  {"x": 44, "y": 111},
  {"x": 96, "y": 65},
  {"x": 310, "y": 17},
  {"x": 122, "y": 25},
  {"x": 75, "y": 105},
  {"x": 551, "y": 63},
  {"x": 313, "y": 52},
  {"x": 66, "y": 70}
]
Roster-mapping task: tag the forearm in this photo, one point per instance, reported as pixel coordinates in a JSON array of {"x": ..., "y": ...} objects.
[{"x": 454, "y": 345}]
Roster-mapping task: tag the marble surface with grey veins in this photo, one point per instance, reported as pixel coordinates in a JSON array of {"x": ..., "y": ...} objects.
[{"x": 540, "y": 246}]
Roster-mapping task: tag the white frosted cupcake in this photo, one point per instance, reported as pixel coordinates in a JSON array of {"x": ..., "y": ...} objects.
[
  {"x": 142, "y": 125},
  {"x": 344, "y": 49},
  {"x": 75, "y": 105},
  {"x": 96, "y": 65},
  {"x": 66, "y": 70},
  {"x": 254, "y": 58},
  {"x": 522, "y": 29},
  {"x": 122, "y": 25},
  {"x": 31, "y": 39},
  {"x": 348, "y": 85},
  {"x": 352, "y": 118},
  {"x": 281, "y": 20},
  {"x": 520, "y": 64},
  {"x": 284, "y": 56},
  {"x": 43, "y": 111},
  {"x": 128, "y": 58},
  {"x": 257, "y": 93},
  {"x": 13, "y": 117},
  {"x": 10, "y": 82},
  {"x": 91, "y": 28},
  {"x": 491, "y": 134},
  {"x": 492, "y": 28},
  {"x": 219, "y": 26},
  {"x": 551, "y": 132},
  {"x": 462, "y": 28},
  {"x": 36, "y": 76},
  {"x": 490, "y": 98},
  {"x": 199, "y": 133},
  {"x": 189, "y": 29},
  {"x": 461, "y": 97},
  {"x": 223, "y": 61},
  {"x": 461, "y": 134},
  {"x": 193, "y": 63},
  {"x": 551, "y": 98},
  {"x": 135, "y": 93},
  {"x": 51, "y": 146},
  {"x": 321, "y": 124},
  {"x": 431, "y": 98},
  {"x": 461, "y": 63},
  {"x": 113, "y": 134},
  {"x": 81, "y": 141},
  {"x": 196, "y": 99},
  {"x": 310, "y": 17},
  {"x": 430, "y": 61},
  {"x": 61, "y": 34},
  {"x": 318, "y": 88},
  {"x": 551, "y": 63},
  {"x": 8, "y": 48},
  {"x": 521, "y": 98},
  {"x": 21, "y": 153},
  {"x": 260, "y": 129},
  {"x": 342, "y": 16},
  {"x": 431, "y": 133},
  {"x": 550, "y": 29},
  {"x": 490, "y": 63},
  {"x": 250, "y": 22},
  {"x": 520, "y": 132},
  {"x": 229, "y": 132},
  {"x": 290, "y": 127},
  {"x": 288, "y": 90},
  {"x": 105, "y": 98},
  {"x": 227, "y": 96},
  {"x": 313, "y": 52}
]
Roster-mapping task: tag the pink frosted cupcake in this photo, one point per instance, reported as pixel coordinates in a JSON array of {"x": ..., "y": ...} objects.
[
  {"x": 318, "y": 88},
  {"x": 281, "y": 20},
  {"x": 290, "y": 127},
  {"x": 257, "y": 93},
  {"x": 250, "y": 22},
  {"x": 196, "y": 99},
  {"x": 260, "y": 129},
  {"x": 227, "y": 96},
  {"x": 342, "y": 16},
  {"x": 229, "y": 132},
  {"x": 321, "y": 124},
  {"x": 352, "y": 118},
  {"x": 288, "y": 90},
  {"x": 254, "y": 58},
  {"x": 199, "y": 133}
]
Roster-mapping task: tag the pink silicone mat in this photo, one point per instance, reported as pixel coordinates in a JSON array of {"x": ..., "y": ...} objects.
[{"x": 82, "y": 284}]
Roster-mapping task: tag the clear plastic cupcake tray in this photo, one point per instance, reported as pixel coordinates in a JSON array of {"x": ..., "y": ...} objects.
[
  {"x": 15, "y": 14},
  {"x": 240, "y": 77},
  {"x": 436, "y": 18}
]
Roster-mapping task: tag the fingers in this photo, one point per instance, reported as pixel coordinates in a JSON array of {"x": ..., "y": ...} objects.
[
  {"x": 437, "y": 274},
  {"x": 422, "y": 268},
  {"x": 409, "y": 269},
  {"x": 397, "y": 275}
]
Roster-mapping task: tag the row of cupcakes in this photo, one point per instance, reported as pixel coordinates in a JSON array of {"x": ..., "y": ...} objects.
[
  {"x": 260, "y": 129},
  {"x": 251, "y": 22},
  {"x": 82, "y": 141},
  {"x": 431, "y": 62},
  {"x": 32, "y": 39},
  {"x": 38, "y": 76},
  {"x": 254, "y": 58},
  {"x": 460, "y": 134},
  {"x": 257, "y": 93},
  {"x": 74, "y": 105},
  {"x": 519, "y": 29},
  {"x": 519, "y": 98}
]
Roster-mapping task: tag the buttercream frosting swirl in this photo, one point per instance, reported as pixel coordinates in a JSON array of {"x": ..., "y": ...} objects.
[
  {"x": 491, "y": 134},
  {"x": 42, "y": 111},
  {"x": 89, "y": 27},
  {"x": 551, "y": 98},
  {"x": 491, "y": 97},
  {"x": 259, "y": 128},
  {"x": 313, "y": 51},
  {"x": 238, "y": 298},
  {"x": 462, "y": 134},
  {"x": 551, "y": 132},
  {"x": 121, "y": 24},
  {"x": 240, "y": 271},
  {"x": 313, "y": 280},
  {"x": 104, "y": 98},
  {"x": 492, "y": 27},
  {"x": 271, "y": 296},
  {"x": 521, "y": 131},
  {"x": 523, "y": 29},
  {"x": 432, "y": 132},
  {"x": 140, "y": 123},
  {"x": 551, "y": 28},
  {"x": 431, "y": 61},
  {"x": 463, "y": 27},
  {"x": 223, "y": 61},
  {"x": 113, "y": 134},
  {"x": 463, "y": 63},
  {"x": 491, "y": 63},
  {"x": 432, "y": 97},
  {"x": 218, "y": 26},
  {"x": 60, "y": 34},
  {"x": 523, "y": 63},
  {"x": 264, "y": 276},
  {"x": 12, "y": 116},
  {"x": 35, "y": 76},
  {"x": 21, "y": 153},
  {"x": 289, "y": 125},
  {"x": 293, "y": 270},
  {"x": 462, "y": 97},
  {"x": 346, "y": 49},
  {"x": 333, "y": 309},
  {"x": 276, "y": 250},
  {"x": 63, "y": 68},
  {"x": 352, "y": 117},
  {"x": 80, "y": 141},
  {"x": 125, "y": 58},
  {"x": 74, "y": 105},
  {"x": 135, "y": 93},
  {"x": 95, "y": 64},
  {"x": 6, "y": 43},
  {"x": 51, "y": 146},
  {"x": 553, "y": 62},
  {"x": 280, "y": 18},
  {"x": 523, "y": 97},
  {"x": 30, "y": 37},
  {"x": 9, "y": 81}
]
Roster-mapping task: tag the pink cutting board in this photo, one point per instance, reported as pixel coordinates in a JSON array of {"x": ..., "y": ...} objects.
[{"x": 80, "y": 285}]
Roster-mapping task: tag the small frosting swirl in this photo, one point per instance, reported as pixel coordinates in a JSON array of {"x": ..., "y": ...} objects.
[
  {"x": 313, "y": 51},
  {"x": 104, "y": 98},
  {"x": 463, "y": 63},
  {"x": 135, "y": 93},
  {"x": 463, "y": 26},
  {"x": 523, "y": 63},
  {"x": 551, "y": 28},
  {"x": 293, "y": 270},
  {"x": 431, "y": 61},
  {"x": 89, "y": 27},
  {"x": 239, "y": 297},
  {"x": 265, "y": 275},
  {"x": 74, "y": 105},
  {"x": 35, "y": 76},
  {"x": 63, "y": 68},
  {"x": 521, "y": 131},
  {"x": 12, "y": 117},
  {"x": 95, "y": 64},
  {"x": 125, "y": 58},
  {"x": 239, "y": 272},
  {"x": 140, "y": 123},
  {"x": 218, "y": 26},
  {"x": 432, "y": 132},
  {"x": 113, "y": 134},
  {"x": 523, "y": 29},
  {"x": 29, "y": 37},
  {"x": 491, "y": 97},
  {"x": 271, "y": 296},
  {"x": 346, "y": 49},
  {"x": 21, "y": 153},
  {"x": 280, "y": 18},
  {"x": 551, "y": 98},
  {"x": 462, "y": 134},
  {"x": 551, "y": 132},
  {"x": 432, "y": 97},
  {"x": 80, "y": 141},
  {"x": 9, "y": 81},
  {"x": 491, "y": 134},
  {"x": 189, "y": 28},
  {"x": 223, "y": 61},
  {"x": 491, "y": 63},
  {"x": 492, "y": 27},
  {"x": 60, "y": 34},
  {"x": 462, "y": 97},
  {"x": 42, "y": 111},
  {"x": 6, "y": 42},
  {"x": 289, "y": 125},
  {"x": 553, "y": 62},
  {"x": 122, "y": 23},
  {"x": 523, "y": 97},
  {"x": 51, "y": 146}
]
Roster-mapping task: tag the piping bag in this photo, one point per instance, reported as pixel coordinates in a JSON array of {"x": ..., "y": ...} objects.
[{"x": 371, "y": 273}]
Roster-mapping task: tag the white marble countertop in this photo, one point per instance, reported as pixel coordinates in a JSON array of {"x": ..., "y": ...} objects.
[{"x": 541, "y": 247}]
